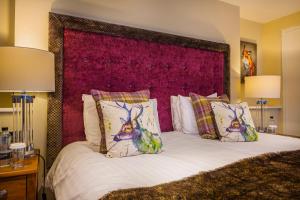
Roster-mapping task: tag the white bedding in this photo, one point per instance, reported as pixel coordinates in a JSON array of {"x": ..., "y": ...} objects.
[{"x": 80, "y": 172}]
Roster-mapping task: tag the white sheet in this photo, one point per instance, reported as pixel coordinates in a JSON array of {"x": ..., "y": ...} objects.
[{"x": 80, "y": 172}]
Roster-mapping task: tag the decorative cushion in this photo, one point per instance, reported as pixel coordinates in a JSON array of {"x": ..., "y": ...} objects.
[
  {"x": 91, "y": 119},
  {"x": 187, "y": 116},
  {"x": 130, "y": 129},
  {"x": 234, "y": 122},
  {"x": 204, "y": 115},
  {"x": 129, "y": 97}
]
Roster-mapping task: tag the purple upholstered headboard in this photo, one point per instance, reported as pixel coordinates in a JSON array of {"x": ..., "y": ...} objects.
[
  {"x": 97, "y": 55},
  {"x": 98, "y": 61}
]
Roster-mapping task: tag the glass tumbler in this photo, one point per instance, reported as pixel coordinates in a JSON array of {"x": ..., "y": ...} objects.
[
  {"x": 18, "y": 154},
  {"x": 5, "y": 152}
]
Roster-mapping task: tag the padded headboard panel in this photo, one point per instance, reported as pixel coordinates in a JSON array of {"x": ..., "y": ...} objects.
[{"x": 97, "y": 55}]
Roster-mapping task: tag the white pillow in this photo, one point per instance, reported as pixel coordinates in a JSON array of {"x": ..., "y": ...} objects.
[
  {"x": 175, "y": 111},
  {"x": 91, "y": 119},
  {"x": 187, "y": 115},
  {"x": 155, "y": 113}
]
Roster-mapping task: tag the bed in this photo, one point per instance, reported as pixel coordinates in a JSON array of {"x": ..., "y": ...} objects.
[
  {"x": 80, "y": 172},
  {"x": 91, "y": 54}
]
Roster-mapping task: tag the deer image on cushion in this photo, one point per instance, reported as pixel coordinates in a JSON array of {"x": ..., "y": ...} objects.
[
  {"x": 132, "y": 129},
  {"x": 239, "y": 122}
]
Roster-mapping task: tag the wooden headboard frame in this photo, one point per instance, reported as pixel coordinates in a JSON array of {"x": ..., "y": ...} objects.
[{"x": 57, "y": 24}]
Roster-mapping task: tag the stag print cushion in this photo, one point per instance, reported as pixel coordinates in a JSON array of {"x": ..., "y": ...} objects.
[
  {"x": 129, "y": 97},
  {"x": 130, "y": 129},
  {"x": 91, "y": 119},
  {"x": 204, "y": 114},
  {"x": 234, "y": 122}
]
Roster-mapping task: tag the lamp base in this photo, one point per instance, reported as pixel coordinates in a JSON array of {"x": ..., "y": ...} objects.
[
  {"x": 262, "y": 102},
  {"x": 23, "y": 120}
]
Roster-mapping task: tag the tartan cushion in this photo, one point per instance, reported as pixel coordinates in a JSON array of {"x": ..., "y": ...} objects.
[
  {"x": 128, "y": 97},
  {"x": 204, "y": 114}
]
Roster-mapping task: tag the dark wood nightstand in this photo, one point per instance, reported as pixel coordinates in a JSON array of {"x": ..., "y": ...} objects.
[{"x": 21, "y": 183}]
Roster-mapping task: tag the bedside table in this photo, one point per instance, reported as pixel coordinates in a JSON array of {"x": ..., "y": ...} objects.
[{"x": 20, "y": 183}]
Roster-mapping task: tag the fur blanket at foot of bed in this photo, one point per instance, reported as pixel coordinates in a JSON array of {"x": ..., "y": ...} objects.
[{"x": 269, "y": 176}]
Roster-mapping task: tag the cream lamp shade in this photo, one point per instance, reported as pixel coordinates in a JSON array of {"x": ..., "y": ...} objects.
[
  {"x": 26, "y": 70},
  {"x": 262, "y": 86}
]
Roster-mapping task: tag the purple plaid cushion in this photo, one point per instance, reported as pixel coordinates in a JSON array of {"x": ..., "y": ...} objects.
[
  {"x": 204, "y": 114},
  {"x": 128, "y": 97}
]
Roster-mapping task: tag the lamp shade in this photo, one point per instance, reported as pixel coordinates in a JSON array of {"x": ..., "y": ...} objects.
[
  {"x": 262, "y": 86},
  {"x": 26, "y": 70}
]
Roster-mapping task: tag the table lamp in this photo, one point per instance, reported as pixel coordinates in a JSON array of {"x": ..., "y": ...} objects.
[
  {"x": 25, "y": 70},
  {"x": 262, "y": 87}
]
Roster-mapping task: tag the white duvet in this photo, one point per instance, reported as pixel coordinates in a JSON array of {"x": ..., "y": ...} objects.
[{"x": 80, "y": 172}]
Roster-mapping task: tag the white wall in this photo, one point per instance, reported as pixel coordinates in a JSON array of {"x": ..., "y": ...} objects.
[{"x": 205, "y": 19}]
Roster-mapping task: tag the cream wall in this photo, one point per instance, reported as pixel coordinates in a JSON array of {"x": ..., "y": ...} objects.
[
  {"x": 272, "y": 51},
  {"x": 271, "y": 45},
  {"x": 6, "y": 22},
  {"x": 268, "y": 39},
  {"x": 31, "y": 23},
  {"x": 206, "y": 19},
  {"x": 6, "y": 38}
]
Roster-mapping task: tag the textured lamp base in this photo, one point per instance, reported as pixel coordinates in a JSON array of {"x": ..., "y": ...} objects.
[{"x": 23, "y": 120}]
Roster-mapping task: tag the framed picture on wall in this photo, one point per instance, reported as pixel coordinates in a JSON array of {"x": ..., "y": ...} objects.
[{"x": 248, "y": 60}]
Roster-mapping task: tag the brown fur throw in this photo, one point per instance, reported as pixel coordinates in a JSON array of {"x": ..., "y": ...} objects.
[{"x": 269, "y": 176}]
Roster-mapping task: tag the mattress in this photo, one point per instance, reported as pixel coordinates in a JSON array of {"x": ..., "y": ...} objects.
[{"x": 80, "y": 172}]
